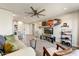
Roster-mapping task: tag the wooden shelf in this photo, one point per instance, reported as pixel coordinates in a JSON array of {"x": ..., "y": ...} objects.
[
  {"x": 44, "y": 27},
  {"x": 66, "y": 35}
]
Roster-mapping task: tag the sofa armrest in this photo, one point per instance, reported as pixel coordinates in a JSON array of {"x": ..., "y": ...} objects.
[
  {"x": 27, "y": 51},
  {"x": 19, "y": 43}
]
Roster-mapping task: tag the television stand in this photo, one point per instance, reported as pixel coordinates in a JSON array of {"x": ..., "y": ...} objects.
[{"x": 49, "y": 38}]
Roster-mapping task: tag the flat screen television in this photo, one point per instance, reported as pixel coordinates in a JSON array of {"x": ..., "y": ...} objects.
[{"x": 48, "y": 30}]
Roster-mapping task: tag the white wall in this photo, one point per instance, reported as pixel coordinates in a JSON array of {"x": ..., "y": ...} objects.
[
  {"x": 78, "y": 31},
  {"x": 21, "y": 26},
  {"x": 28, "y": 29},
  {"x": 5, "y": 22},
  {"x": 38, "y": 31},
  {"x": 72, "y": 20}
]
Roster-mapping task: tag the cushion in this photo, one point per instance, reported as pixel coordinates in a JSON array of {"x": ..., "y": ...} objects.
[
  {"x": 2, "y": 41},
  {"x": 27, "y": 51},
  {"x": 15, "y": 47},
  {"x": 10, "y": 38},
  {"x": 8, "y": 47},
  {"x": 63, "y": 52}
]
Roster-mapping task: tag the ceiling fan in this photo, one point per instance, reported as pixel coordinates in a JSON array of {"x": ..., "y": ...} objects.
[{"x": 36, "y": 12}]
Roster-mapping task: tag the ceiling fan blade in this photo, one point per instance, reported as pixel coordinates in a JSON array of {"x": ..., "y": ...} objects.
[
  {"x": 41, "y": 10},
  {"x": 41, "y": 14},
  {"x": 32, "y": 9},
  {"x": 28, "y": 12},
  {"x": 32, "y": 15}
]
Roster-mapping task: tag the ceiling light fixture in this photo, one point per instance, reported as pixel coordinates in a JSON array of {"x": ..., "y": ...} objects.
[
  {"x": 65, "y": 8},
  {"x": 14, "y": 14},
  {"x": 20, "y": 22}
]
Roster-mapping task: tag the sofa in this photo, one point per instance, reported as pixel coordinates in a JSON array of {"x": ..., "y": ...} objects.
[{"x": 21, "y": 50}]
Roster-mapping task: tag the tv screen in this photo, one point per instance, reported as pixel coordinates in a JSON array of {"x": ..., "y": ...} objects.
[{"x": 48, "y": 31}]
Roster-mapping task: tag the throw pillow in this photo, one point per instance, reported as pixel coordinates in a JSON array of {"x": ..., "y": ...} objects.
[
  {"x": 15, "y": 47},
  {"x": 8, "y": 47},
  {"x": 2, "y": 41},
  {"x": 10, "y": 38}
]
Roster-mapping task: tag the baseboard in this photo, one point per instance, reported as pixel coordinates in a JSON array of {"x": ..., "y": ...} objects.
[{"x": 75, "y": 47}]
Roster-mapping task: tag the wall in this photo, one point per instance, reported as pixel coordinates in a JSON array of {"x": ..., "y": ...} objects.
[
  {"x": 27, "y": 31},
  {"x": 72, "y": 20},
  {"x": 38, "y": 31},
  {"x": 5, "y": 22},
  {"x": 33, "y": 29},
  {"x": 78, "y": 30}
]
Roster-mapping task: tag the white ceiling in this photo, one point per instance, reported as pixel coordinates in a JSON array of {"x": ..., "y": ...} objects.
[{"x": 52, "y": 10}]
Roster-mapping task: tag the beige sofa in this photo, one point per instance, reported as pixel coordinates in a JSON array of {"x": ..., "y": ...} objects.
[{"x": 23, "y": 50}]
